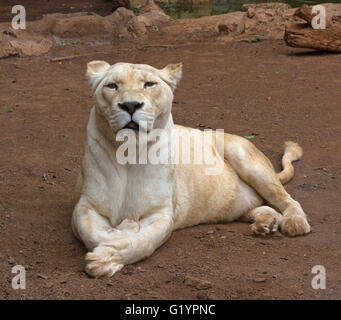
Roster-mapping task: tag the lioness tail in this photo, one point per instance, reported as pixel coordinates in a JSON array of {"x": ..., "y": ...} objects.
[{"x": 292, "y": 152}]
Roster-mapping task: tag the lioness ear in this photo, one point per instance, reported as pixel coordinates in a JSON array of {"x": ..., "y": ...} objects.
[
  {"x": 95, "y": 70},
  {"x": 174, "y": 74},
  {"x": 97, "y": 66}
]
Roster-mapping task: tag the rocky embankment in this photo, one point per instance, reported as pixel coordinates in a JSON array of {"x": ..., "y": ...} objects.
[{"x": 136, "y": 19}]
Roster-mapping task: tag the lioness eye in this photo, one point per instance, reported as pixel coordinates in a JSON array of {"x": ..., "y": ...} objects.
[
  {"x": 149, "y": 84},
  {"x": 112, "y": 86}
]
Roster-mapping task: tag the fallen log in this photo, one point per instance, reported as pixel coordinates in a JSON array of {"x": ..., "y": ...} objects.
[
  {"x": 303, "y": 35},
  {"x": 300, "y": 36}
]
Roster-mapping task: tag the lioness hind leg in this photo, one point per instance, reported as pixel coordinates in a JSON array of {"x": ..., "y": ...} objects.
[
  {"x": 256, "y": 170},
  {"x": 265, "y": 220}
]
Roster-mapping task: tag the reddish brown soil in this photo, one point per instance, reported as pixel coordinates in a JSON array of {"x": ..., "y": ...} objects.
[{"x": 224, "y": 86}]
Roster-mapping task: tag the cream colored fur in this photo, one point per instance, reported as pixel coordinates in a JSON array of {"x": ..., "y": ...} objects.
[{"x": 125, "y": 212}]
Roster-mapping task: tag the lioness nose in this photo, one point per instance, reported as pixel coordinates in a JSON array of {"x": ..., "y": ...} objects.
[{"x": 131, "y": 106}]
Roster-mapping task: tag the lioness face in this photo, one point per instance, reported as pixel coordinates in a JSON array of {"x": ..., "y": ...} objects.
[{"x": 129, "y": 95}]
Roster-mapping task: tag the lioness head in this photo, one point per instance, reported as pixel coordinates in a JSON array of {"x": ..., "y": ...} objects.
[{"x": 131, "y": 94}]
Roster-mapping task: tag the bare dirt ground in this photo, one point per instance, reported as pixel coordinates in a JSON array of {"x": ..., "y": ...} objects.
[{"x": 263, "y": 89}]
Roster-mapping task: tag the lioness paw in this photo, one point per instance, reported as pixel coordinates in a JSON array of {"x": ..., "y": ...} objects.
[
  {"x": 264, "y": 224},
  {"x": 103, "y": 261},
  {"x": 294, "y": 225}
]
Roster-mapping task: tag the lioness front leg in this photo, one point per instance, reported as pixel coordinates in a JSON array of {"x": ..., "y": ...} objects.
[
  {"x": 93, "y": 229},
  {"x": 257, "y": 171},
  {"x": 127, "y": 243},
  {"x": 126, "y": 247}
]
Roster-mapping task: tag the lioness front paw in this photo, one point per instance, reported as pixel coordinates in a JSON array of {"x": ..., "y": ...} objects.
[
  {"x": 294, "y": 225},
  {"x": 106, "y": 260}
]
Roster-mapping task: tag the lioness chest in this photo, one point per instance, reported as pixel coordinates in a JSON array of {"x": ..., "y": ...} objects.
[{"x": 130, "y": 191}]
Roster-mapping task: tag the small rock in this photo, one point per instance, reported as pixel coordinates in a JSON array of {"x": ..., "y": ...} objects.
[
  {"x": 300, "y": 292},
  {"x": 42, "y": 276},
  {"x": 48, "y": 285},
  {"x": 250, "y": 12},
  {"x": 259, "y": 280},
  {"x": 10, "y": 260},
  {"x": 204, "y": 296},
  {"x": 197, "y": 283}
]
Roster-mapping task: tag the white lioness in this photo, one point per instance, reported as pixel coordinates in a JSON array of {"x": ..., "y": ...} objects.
[{"x": 124, "y": 212}]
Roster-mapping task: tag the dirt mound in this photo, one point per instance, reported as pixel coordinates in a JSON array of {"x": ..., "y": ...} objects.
[
  {"x": 72, "y": 25},
  {"x": 17, "y": 43},
  {"x": 38, "y": 38}
]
